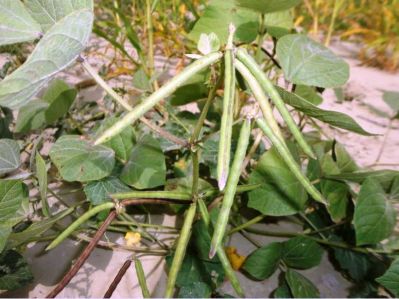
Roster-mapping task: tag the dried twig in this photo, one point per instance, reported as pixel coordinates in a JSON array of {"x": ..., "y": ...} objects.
[{"x": 118, "y": 278}]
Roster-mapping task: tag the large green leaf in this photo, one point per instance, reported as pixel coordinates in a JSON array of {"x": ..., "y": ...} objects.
[
  {"x": 391, "y": 98},
  {"x": 301, "y": 253},
  {"x": 9, "y": 156},
  {"x": 267, "y": 6},
  {"x": 197, "y": 289},
  {"x": 217, "y": 17},
  {"x": 374, "y": 216},
  {"x": 279, "y": 23},
  {"x": 384, "y": 177},
  {"x": 300, "y": 286},
  {"x": 264, "y": 261},
  {"x": 336, "y": 194},
  {"x": 54, "y": 104},
  {"x": 49, "y": 12},
  {"x": 357, "y": 264},
  {"x": 16, "y": 24},
  {"x": 59, "y": 48},
  {"x": 14, "y": 270},
  {"x": 333, "y": 118},
  {"x": 78, "y": 160},
  {"x": 12, "y": 194},
  {"x": 122, "y": 143},
  {"x": 280, "y": 193},
  {"x": 146, "y": 167},
  {"x": 98, "y": 192},
  {"x": 31, "y": 116},
  {"x": 307, "y": 62},
  {"x": 390, "y": 279},
  {"x": 60, "y": 96}
]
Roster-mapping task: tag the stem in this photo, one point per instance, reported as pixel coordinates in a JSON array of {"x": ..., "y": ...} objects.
[
  {"x": 180, "y": 250},
  {"x": 160, "y": 94},
  {"x": 122, "y": 271},
  {"x": 78, "y": 222},
  {"x": 197, "y": 130},
  {"x": 247, "y": 224},
  {"x": 176, "y": 195},
  {"x": 337, "y": 7},
  {"x": 83, "y": 257},
  {"x": 100, "y": 81},
  {"x": 150, "y": 35},
  {"x": 141, "y": 278}
]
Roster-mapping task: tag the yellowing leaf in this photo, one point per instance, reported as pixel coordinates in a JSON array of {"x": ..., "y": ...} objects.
[{"x": 235, "y": 259}]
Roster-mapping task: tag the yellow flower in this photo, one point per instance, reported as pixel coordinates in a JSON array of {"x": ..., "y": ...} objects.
[{"x": 132, "y": 238}]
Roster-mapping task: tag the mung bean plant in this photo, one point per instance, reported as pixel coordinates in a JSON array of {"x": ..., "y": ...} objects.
[{"x": 227, "y": 136}]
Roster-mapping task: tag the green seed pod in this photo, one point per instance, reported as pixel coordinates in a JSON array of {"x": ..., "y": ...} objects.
[
  {"x": 231, "y": 187},
  {"x": 269, "y": 88}
]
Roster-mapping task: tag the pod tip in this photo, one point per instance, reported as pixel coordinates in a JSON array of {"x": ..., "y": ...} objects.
[
  {"x": 222, "y": 181},
  {"x": 212, "y": 252}
]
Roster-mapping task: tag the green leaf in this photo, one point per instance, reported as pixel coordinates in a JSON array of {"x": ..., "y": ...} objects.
[
  {"x": 208, "y": 43},
  {"x": 31, "y": 116},
  {"x": 384, "y": 177},
  {"x": 196, "y": 289},
  {"x": 309, "y": 94},
  {"x": 60, "y": 97},
  {"x": 9, "y": 156},
  {"x": 49, "y": 12},
  {"x": 301, "y": 253},
  {"x": 374, "y": 217},
  {"x": 300, "y": 286},
  {"x": 267, "y": 6},
  {"x": 78, "y": 160},
  {"x": 58, "y": 49},
  {"x": 195, "y": 269},
  {"x": 357, "y": 264},
  {"x": 16, "y": 24},
  {"x": 264, "y": 261},
  {"x": 281, "y": 193},
  {"x": 344, "y": 160},
  {"x": 146, "y": 167},
  {"x": 279, "y": 23},
  {"x": 98, "y": 192},
  {"x": 141, "y": 80},
  {"x": 333, "y": 118},
  {"x": 12, "y": 194},
  {"x": 307, "y": 62},
  {"x": 15, "y": 272},
  {"x": 217, "y": 17},
  {"x": 391, "y": 98},
  {"x": 36, "y": 229},
  {"x": 192, "y": 90},
  {"x": 122, "y": 143},
  {"x": 336, "y": 194},
  {"x": 390, "y": 279},
  {"x": 283, "y": 291}
]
